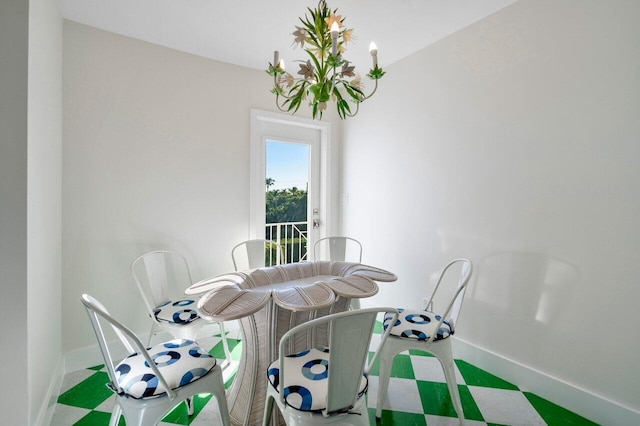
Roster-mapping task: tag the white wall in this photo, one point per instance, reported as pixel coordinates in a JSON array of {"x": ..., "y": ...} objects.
[
  {"x": 14, "y": 16},
  {"x": 156, "y": 156},
  {"x": 30, "y": 119},
  {"x": 44, "y": 207},
  {"x": 515, "y": 142}
]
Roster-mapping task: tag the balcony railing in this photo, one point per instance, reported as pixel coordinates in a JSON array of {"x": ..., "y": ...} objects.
[{"x": 292, "y": 237}]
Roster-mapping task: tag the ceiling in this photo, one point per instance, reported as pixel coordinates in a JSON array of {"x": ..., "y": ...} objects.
[{"x": 246, "y": 32}]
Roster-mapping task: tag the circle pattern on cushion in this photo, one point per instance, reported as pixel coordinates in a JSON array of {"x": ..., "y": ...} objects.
[
  {"x": 180, "y": 362},
  {"x": 306, "y": 379},
  {"x": 419, "y": 325},
  {"x": 175, "y": 311}
]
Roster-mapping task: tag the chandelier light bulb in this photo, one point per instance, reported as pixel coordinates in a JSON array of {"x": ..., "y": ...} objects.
[
  {"x": 373, "y": 49},
  {"x": 335, "y": 29}
]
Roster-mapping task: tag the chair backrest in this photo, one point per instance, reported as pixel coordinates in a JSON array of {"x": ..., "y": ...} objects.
[
  {"x": 257, "y": 253},
  {"x": 338, "y": 249},
  {"x": 99, "y": 316},
  {"x": 349, "y": 338},
  {"x": 455, "y": 304},
  {"x": 160, "y": 275}
]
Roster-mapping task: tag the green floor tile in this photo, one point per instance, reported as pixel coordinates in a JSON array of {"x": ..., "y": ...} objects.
[
  {"x": 97, "y": 367},
  {"x": 377, "y": 328},
  {"x": 89, "y": 393},
  {"x": 554, "y": 414},
  {"x": 402, "y": 367},
  {"x": 235, "y": 347},
  {"x": 416, "y": 352},
  {"x": 396, "y": 418},
  {"x": 474, "y": 376},
  {"x": 94, "y": 418},
  {"x": 229, "y": 381},
  {"x": 469, "y": 406},
  {"x": 435, "y": 399}
]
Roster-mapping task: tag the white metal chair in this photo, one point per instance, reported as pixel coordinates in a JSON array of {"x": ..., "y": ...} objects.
[
  {"x": 326, "y": 385},
  {"x": 161, "y": 277},
  {"x": 426, "y": 331},
  {"x": 339, "y": 249},
  {"x": 150, "y": 382},
  {"x": 252, "y": 254}
]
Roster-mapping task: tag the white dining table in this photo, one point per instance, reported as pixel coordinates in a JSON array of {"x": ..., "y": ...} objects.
[{"x": 270, "y": 301}]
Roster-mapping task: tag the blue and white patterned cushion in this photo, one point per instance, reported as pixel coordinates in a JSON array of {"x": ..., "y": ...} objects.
[
  {"x": 180, "y": 362},
  {"x": 419, "y": 325},
  {"x": 306, "y": 379},
  {"x": 181, "y": 311}
]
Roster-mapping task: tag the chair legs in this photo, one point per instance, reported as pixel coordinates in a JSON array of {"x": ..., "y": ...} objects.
[
  {"x": 225, "y": 344},
  {"x": 115, "y": 415},
  {"x": 441, "y": 350},
  {"x": 268, "y": 409},
  {"x": 445, "y": 356},
  {"x": 221, "y": 397},
  {"x": 387, "y": 354}
]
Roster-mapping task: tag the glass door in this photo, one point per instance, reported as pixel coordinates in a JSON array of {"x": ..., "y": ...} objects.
[{"x": 287, "y": 194}]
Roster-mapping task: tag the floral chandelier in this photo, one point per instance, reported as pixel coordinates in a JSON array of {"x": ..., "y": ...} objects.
[{"x": 326, "y": 75}]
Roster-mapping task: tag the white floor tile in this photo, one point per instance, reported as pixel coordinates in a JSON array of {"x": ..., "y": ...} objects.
[
  {"x": 73, "y": 378},
  {"x": 429, "y": 369},
  {"x": 449, "y": 421},
  {"x": 402, "y": 395},
  {"x": 228, "y": 369},
  {"x": 209, "y": 415},
  {"x": 107, "y": 405},
  {"x": 505, "y": 407},
  {"x": 65, "y": 415},
  {"x": 208, "y": 342}
]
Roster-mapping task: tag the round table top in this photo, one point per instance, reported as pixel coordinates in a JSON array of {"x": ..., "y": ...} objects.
[{"x": 302, "y": 286}]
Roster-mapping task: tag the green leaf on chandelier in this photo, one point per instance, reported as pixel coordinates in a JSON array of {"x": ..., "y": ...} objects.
[
  {"x": 355, "y": 93},
  {"x": 320, "y": 92},
  {"x": 319, "y": 71},
  {"x": 334, "y": 62},
  {"x": 273, "y": 70},
  {"x": 376, "y": 73}
]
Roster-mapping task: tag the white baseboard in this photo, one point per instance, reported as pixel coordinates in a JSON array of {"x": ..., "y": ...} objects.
[
  {"x": 45, "y": 414},
  {"x": 596, "y": 408}
]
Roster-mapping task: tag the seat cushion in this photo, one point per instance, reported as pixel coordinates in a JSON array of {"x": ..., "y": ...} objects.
[
  {"x": 181, "y": 311},
  {"x": 306, "y": 378},
  {"x": 180, "y": 362},
  {"x": 419, "y": 325}
]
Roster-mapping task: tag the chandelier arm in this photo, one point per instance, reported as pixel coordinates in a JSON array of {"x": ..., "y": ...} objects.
[
  {"x": 278, "y": 105},
  {"x": 333, "y": 81},
  {"x": 356, "y": 111},
  {"x": 371, "y": 94},
  {"x": 279, "y": 90}
]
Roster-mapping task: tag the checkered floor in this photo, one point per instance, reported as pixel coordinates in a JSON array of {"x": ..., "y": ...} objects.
[{"x": 417, "y": 396}]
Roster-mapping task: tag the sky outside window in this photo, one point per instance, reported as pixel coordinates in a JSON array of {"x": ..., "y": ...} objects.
[{"x": 287, "y": 164}]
